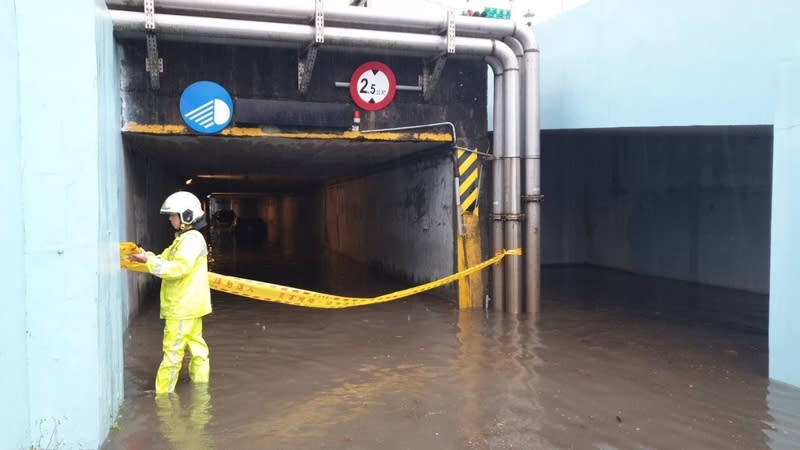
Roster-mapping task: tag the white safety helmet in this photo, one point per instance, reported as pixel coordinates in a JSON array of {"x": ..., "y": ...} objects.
[{"x": 185, "y": 205}]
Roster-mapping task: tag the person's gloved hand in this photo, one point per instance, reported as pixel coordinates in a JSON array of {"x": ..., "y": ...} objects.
[{"x": 140, "y": 257}]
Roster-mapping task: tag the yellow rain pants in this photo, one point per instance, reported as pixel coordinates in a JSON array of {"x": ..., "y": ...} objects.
[
  {"x": 185, "y": 299},
  {"x": 178, "y": 334}
]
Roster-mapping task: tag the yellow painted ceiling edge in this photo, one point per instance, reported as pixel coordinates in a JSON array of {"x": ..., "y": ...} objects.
[{"x": 181, "y": 130}]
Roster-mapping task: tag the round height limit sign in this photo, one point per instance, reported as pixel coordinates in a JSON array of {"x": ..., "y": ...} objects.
[{"x": 372, "y": 86}]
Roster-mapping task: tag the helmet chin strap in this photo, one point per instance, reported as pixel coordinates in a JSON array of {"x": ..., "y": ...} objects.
[{"x": 196, "y": 225}]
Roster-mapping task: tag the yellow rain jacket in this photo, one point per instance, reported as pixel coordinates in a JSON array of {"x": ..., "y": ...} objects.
[{"x": 183, "y": 267}]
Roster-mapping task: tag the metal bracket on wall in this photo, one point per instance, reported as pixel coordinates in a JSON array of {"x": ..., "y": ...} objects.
[
  {"x": 306, "y": 60},
  {"x": 430, "y": 78},
  {"x": 305, "y": 67},
  {"x": 451, "y": 31},
  {"x": 319, "y": 22},
  {"x": 507, "y": 217},
  {"x": 152, "y": 64}
]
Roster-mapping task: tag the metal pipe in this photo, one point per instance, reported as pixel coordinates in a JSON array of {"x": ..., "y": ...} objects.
[
  {"x": 400, "y": 87},
  {"x": 515, "y": 226},
  {"x": 511, "y": 189},
  {"x": 303, "y": 11},
  {"x": 532, "y": 155},
  {"x": 497, "y": 184},
  {"x": 516, "y": 47},
  {"x": 417, "y": 127},
  {"x": 129, "y": 24},
  {"x": 532, "y": 184}
]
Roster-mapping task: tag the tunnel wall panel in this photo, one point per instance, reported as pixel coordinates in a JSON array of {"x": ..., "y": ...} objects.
[
  {"x": 685, "y": 205},
  {"x": 400, "y": 219},
  {"x": 147, "y": 184},
  {"x": 565, "y": 230}
]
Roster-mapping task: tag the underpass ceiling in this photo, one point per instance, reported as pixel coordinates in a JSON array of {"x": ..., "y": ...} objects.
[{"x": 257, "y": 164}]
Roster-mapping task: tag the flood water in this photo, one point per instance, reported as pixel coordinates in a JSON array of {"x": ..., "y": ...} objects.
[{"x": 614, "y": 361}]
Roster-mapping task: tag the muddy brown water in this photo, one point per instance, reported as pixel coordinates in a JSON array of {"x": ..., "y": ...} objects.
[{"x": 614, "y": 361}]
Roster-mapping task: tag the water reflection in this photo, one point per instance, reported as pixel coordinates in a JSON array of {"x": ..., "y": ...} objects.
[
  {"x": 782, "y": 426},
  {"x": 184, "y": 427},
  {"x": 597, "y": 370}
]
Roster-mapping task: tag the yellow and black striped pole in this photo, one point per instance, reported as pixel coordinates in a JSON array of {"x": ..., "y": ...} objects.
[
  {"x": 468, "y": 175},
  {"x": 468, "y": 170}
]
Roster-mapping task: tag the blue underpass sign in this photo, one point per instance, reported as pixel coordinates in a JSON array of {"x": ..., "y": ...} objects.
[{"x": 206, "y": 107}]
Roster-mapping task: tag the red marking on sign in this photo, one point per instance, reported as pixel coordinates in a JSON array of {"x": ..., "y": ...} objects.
[{"x": 373, "y": 86}]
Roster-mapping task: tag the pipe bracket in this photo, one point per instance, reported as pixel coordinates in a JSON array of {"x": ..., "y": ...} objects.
[
  {"x": 431, "y": 78},
  {"x": 507, "y": 217},
  {"x": 305, "y": 67},
  {"x": 451, "y": 31},
  {"x": 534, "y": 198},
  {"x": 152, "y": 64},
  {"x": 319, "y": 22},
  {"x": 307, "y": 58}
]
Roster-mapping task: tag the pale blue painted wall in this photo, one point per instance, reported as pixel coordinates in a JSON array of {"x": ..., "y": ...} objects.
[
  {"x": 66, "y": 369},
  {"x": 112, "y": 284},
  {"x": 784, "y": 313},
  {"x": 651, "y": 63},
  {"x": 14, "y": 424},
  {"x": 624, "y": 63}
]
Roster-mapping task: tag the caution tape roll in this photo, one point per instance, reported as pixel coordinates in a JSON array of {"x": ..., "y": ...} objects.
[{"x": 269, "y": 292}]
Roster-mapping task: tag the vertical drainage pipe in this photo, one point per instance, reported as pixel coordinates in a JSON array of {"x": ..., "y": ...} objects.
[
  {"x": 514, "y": 217},
  {"x": 511, "y": 189},
  {"x": 532, "y": 157},
  {"x": 497, "y": 183}
]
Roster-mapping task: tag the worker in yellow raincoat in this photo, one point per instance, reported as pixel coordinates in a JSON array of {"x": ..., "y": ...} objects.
[{"x": 185, "y": 294}]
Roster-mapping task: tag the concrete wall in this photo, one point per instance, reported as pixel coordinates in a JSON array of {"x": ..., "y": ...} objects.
[
  {"x": 784, "y": 311},
  {"x": 64, "y": 382},
  {"x": 400, "y": 220},
  {"x": 565, "y": 233},
  {"x": 14, "y": 390},
  {"x": 264, "y": 73},
  {"x": 623, "y": 63},
  {"x": 686, "y": 204},
  {"x": 147, "y": 184}
]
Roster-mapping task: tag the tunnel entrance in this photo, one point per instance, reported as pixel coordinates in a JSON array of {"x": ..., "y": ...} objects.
[
  {"x": 279, "y": 204},
  {"x": 669, "y": 224}
]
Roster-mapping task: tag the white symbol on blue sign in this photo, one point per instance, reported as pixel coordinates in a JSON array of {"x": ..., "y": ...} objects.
[{"x": 206, "y": 107}]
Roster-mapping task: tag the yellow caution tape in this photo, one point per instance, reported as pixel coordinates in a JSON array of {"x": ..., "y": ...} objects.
[{"x": 259, "y": 290}]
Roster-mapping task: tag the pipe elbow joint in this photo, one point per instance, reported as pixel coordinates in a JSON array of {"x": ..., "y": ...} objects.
[
  {"x": 526, "y": 37},
  {"x": 505, "y": 55},
  {"x": 495, "y": 64}
]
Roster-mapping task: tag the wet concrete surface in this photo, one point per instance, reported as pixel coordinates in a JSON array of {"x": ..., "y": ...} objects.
[{"x": 614, "y": 361}]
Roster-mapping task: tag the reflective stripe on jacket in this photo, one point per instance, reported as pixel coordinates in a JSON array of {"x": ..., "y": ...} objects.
[{"x": 183, "y": 269}]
